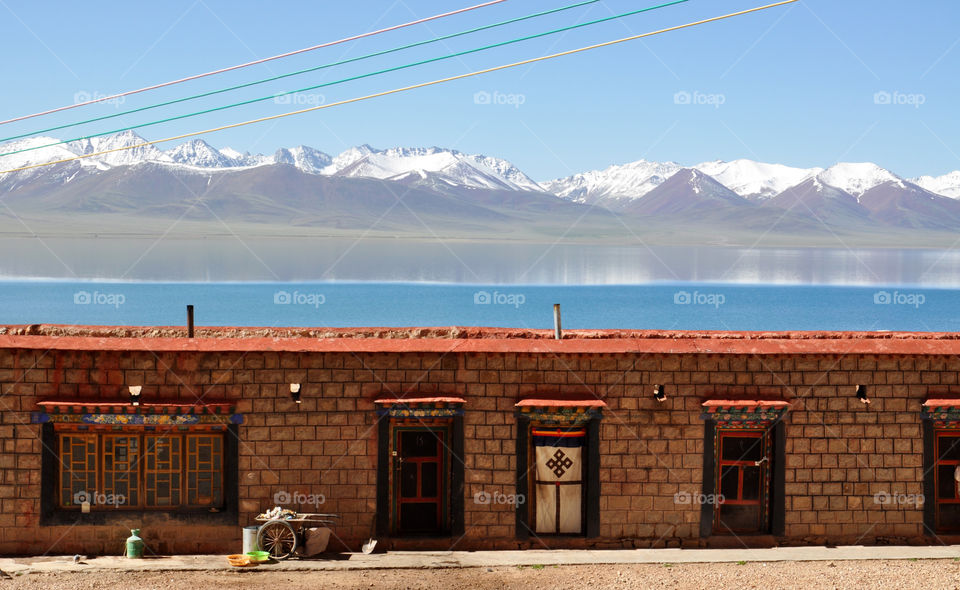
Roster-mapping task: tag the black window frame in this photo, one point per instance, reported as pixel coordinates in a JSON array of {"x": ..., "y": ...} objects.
[{"x": 53, "y": 514}]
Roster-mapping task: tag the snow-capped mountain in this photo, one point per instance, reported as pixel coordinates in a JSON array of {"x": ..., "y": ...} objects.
[
  {"x": 428, "y": 166},
  {"x": 203, "y": 155},
  {"x": 814, "y": 198},
  {"x": 122, "y": 149},
  {"x": 756, "y": 180},
  {"x": 947, "y": 185},
  {"x": 856, "y": 178},
  {"x": 454, "y": 167},
  {"x": 689, "y": 190},
  {"x": 616, "y": 183},
  {"x": 307, "y": 159}
]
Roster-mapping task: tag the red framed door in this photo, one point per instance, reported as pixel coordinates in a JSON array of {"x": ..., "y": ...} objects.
[
  {"x": 945, "y": 480},
  {"x": 420, "y": 482},
  {"x": 743, "y": 482}
]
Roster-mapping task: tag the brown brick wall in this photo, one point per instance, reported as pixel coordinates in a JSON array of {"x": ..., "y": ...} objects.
[{"x": 839, "y": 453}]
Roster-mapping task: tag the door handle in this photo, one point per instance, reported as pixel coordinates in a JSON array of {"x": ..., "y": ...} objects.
[{"x": 760, "y": 462}]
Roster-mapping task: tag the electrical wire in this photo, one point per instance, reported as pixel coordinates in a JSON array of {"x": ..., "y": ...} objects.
[
  {"x": 256, "y": 62},
  {"x": 406, "y": 88},
  {"x": 304, "y": 71},
  {"x": 342, "y": 80}
]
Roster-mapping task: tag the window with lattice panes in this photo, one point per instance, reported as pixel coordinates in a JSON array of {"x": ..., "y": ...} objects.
[{"x": 131, "y": 470}]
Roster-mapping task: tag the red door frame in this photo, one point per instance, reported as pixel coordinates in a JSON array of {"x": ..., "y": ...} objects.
[
  {"x": 441, "y": 434},
  {"x": 764, "y": 494},
  {"x": 937, "y": 462}
]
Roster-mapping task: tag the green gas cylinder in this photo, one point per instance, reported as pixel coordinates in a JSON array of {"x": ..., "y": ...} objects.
[{"x": 134, "y": 544}]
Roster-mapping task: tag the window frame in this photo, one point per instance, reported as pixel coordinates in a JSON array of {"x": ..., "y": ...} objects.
[
  {"x": 53, "y": 513},
  {"x": 145, "y": 451}
]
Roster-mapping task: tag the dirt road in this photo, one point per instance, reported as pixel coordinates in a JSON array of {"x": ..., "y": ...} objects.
[{"x": 766, "y": 576}]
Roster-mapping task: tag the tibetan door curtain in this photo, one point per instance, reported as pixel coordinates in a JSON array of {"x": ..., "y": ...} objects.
[{"x": 559, "y": 475}]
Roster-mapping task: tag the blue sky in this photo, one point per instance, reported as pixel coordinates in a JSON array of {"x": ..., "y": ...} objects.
[{"x": 796, "y": 85}]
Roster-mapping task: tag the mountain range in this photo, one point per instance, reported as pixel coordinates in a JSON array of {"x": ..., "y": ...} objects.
[{"x": 413, "y": 189}]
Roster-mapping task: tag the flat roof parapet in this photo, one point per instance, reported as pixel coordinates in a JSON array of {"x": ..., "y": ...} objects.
[{"x": 473, "y": 339}]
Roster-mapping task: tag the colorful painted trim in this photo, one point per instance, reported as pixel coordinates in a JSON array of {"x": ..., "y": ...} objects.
[
  {"x": 135, "y": 419},
  {"x": 553, "y": 437},
  {"x": 122, "y": 413},
  {"x": 945, "y": 413},
  {"x": 420, "y": 408},
  {"x": 569, "y": 416},
  {"x": 744, "y": 414}
]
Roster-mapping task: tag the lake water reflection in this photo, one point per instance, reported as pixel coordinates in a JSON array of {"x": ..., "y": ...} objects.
[{"x": 340, "y": 259}]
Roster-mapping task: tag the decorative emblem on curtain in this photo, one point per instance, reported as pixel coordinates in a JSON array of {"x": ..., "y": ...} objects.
[{"x": 559, "y": 479}]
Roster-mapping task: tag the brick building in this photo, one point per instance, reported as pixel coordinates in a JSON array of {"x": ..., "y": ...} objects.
[{"x": 477, "y": 438}]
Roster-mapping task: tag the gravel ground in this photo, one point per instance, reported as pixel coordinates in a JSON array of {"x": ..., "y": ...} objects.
[{"x": 776, "y": 575}]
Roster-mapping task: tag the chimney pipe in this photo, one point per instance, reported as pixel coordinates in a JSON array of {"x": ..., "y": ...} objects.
[
  {"x": 189, "y": 321},
  {"x": 557, "y": 330}
]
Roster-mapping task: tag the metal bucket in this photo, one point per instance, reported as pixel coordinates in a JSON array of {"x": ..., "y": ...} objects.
[{"x": 250, "y": 538}]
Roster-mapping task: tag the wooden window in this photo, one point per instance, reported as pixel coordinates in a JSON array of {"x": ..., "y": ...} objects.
[
  {"x": 947, "y": 462},
  {"x": 120, "y": 469},
  {"x": 204, "y": 470},
  {"x": 78, "y": 473},
  {"x": 141, "y": 471}
]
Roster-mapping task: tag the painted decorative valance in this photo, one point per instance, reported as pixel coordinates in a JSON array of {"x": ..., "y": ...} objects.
[
  {"x": 744, "y": 413},
  {"x": 420, "y": 407},
  {"x": 945, "y": 413},
  {"x": 98, "y": 414},
  {"x": 561, "y": 412}
]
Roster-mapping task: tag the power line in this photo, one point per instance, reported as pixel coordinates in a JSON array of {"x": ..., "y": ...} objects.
[
  {"x": 304, "y": 71},
  {"x": 342, "y": 80},
  {"x": 255, "y": 62},
  {"x": 406, "y": 88}
]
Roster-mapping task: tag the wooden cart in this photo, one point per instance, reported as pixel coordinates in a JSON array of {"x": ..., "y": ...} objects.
[{"x": 281, "y": 537}]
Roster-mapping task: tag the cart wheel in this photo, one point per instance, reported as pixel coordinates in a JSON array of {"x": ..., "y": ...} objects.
[{"x": 278, "y": 539}]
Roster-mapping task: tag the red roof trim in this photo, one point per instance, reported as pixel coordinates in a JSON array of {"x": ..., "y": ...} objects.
[
  {"x": 560, "y": 403},
  {"x": 613, "y": 342},
  {"x": 127, "y": 404},
  {"x": 421, "y": 400},
  {"x": 727, "y": 403},
  {"x": 942, "y": 403}
]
